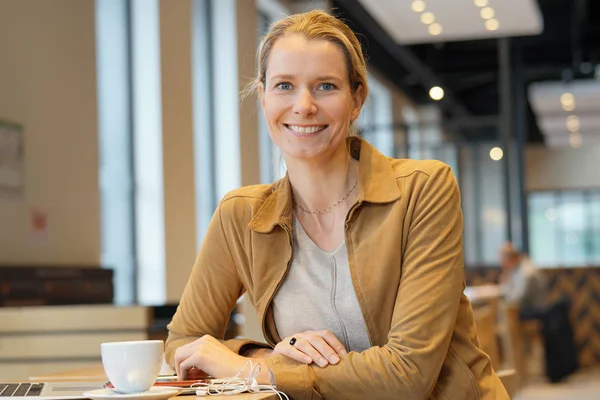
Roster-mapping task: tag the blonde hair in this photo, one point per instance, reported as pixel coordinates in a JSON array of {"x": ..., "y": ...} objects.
[{"x": 314, "y": 25}]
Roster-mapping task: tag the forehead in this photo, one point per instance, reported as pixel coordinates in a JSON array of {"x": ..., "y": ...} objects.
[{"x": 296, "y": 55}]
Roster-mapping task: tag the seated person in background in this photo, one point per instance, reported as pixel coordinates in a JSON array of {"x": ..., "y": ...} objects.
[
  {"x": 353, "y": 260},
  {"x": 522, "y": 283}
]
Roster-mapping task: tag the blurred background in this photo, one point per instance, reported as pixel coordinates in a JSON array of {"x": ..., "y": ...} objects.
[{"x": 121, "y": 127}]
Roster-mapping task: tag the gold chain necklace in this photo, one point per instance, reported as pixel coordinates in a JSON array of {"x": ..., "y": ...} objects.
[{"x": 328, "y": 208}]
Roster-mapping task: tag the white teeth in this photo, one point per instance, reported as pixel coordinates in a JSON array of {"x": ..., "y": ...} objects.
[{"x": 306, "y": 129}]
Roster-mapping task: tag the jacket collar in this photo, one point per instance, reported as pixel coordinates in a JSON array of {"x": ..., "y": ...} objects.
[{"x": 375, "y": 175}]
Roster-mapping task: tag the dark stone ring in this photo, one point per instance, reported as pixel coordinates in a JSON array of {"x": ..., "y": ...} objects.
[{"x": 292, "y": 341}]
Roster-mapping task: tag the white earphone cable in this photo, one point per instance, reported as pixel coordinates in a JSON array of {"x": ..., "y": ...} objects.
[{"x": 236, "y": 384}]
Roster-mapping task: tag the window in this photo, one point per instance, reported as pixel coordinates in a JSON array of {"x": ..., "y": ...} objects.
[
  {"x": 272, "y": 164},
  {"x": 115, "y": 141},
  {"x": 564, "y": 228},
  {"x": 130, "y": 148},
  {"x": 376, "y": 118},
  {"x": 483, "y": 204},
  {"x": 203, "y": 114}
]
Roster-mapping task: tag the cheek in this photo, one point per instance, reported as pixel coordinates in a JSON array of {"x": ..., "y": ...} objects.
[{"x": 273, "y": 110}]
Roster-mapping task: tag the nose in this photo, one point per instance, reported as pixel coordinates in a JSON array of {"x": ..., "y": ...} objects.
[{"x": 304, "y": 104}]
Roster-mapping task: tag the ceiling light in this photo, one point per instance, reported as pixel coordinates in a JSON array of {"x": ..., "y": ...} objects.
[
  {"x": 568, "y": 101},
  {"x": 418, "y": 6},
  {"x": 436, "y": 93},
  {"x": 435, "y": 29},
  {"x": 573, "y": 123},
  {"x": 496, "y": 154},
  {"x": 575, "y": 140},
  {"x": 481, "y": 3},
  {"x": 427, "y": 18},
  {"x": 487, "y": 13},
  {"x": 567, "y": 98},
  {"x": 492, "y": 24}
]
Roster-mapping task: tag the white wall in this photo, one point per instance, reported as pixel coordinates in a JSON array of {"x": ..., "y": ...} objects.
[
  {"x": 562, "y": 168},
  {"x": 48, "y": 84}
]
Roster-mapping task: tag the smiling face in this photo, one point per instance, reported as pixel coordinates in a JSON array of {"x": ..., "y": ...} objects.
[{"x": 307, "y": 98}]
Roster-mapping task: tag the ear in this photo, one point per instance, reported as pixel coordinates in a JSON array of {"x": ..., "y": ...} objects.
[
  {"x": 359, "y": 99},
  {"x": 261, "y": 94}
]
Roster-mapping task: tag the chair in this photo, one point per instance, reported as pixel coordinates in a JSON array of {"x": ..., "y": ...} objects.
[
  {"x": 533, "y": 349},
  {"x": 485, "y": 322},
  {"x": 512, "y": 340}
]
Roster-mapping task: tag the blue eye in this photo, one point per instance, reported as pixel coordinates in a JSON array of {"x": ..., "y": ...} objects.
[
  {"x": 327, "y": 86},
  {"x": 284, "y": 86}
]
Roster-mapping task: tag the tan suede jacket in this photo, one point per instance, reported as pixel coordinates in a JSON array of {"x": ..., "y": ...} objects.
[{"x": 404, "y": 240}]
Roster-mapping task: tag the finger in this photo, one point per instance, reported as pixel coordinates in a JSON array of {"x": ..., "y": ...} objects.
[
  {"x": 184, "y": 352},
  {"x": 319, "y": 344},
  {"x": 333, "y": 342},
  {"x": 307, "y": 348},
  {"x": 181, "y": 354},
  {"x": 284, "y": 348},
  {"x": 290, "y": 351},
  {"x": 186, "y": 365}
]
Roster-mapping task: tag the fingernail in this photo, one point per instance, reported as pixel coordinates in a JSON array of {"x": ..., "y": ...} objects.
[
  {"x": 343, "y": 352},
  {"x": 323, "y": 363},
  {"x": 335, "y": 359}
]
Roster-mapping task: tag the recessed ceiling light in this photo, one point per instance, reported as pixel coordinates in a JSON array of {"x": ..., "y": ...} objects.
[
  {"x": 436, "y": 93},
  {"x": 573, "y": 123},
  {"x": 427, "y": 18},
  {"x": 575, "y": 140},
  {"x": 435, "y": 29},
  {"x": 418, "y": 6},
  {"x": 487, "y": 13},
  {"x": 496, "y": 154},
  {"x": 481, "y": 3},
  {"x": 492, "y": 24},
  {"x": 567, "y": 100}
]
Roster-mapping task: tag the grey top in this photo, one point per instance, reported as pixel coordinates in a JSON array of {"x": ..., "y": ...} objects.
[
  {"x": 526, "y": 286},
  {"x": 318, "y": 294}
]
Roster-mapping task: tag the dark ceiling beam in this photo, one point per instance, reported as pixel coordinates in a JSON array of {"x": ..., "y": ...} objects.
[
  {"x": 474, "y": 78},
  {"x": 403, "y": 56},
  {"x": 474, "y": 122},
  {"x": 466, "y": 81}
]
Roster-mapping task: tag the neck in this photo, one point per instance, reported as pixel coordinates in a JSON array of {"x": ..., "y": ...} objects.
[{"x": 317, "y": 185}]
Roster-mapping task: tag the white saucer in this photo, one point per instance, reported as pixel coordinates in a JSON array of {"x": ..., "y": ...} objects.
[{"x": 155, "y": 393}]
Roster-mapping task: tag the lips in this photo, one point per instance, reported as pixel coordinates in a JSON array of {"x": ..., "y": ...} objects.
[{"x": 306, "y": 130}]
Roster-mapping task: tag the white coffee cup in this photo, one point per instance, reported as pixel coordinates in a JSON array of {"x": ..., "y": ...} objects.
[{"x": 132, "y": 367}]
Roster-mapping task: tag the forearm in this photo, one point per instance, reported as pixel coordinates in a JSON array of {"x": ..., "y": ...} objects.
[
  {"x": 256, "y": 352},
  {"x": 258, "y": 356},
  {"x": 265, "y": 376}
]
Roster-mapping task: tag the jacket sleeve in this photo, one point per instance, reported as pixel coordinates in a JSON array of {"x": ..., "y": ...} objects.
[
  {"x": 425, "y": 311},
  {"x": 210, "y": 295}
]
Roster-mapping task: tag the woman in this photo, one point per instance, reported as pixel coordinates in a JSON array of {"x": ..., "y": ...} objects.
[{"x": 353, "y": 260}]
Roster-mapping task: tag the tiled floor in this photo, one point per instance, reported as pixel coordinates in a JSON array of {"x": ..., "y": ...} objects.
[{"x": 584, "y": 385}]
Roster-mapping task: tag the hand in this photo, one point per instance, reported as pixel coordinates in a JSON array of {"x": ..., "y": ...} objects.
[
  {"x": 209, "y": 355},
  {"x": 320, "y": 347}
]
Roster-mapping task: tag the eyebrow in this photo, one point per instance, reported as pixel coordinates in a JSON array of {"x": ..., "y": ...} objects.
[{"x": 320, "y": 78}]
